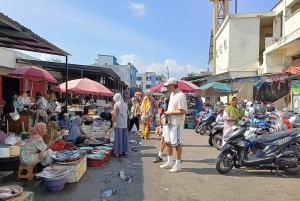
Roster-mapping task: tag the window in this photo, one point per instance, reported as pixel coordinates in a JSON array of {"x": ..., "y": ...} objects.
[
  {"x": 148, "y": 86},
  {"x": 148, "y": 78},
  {"x": 221, "y": 49},
  {"x": 225, "y": 44},
  {"x": 139, "y": 78}
]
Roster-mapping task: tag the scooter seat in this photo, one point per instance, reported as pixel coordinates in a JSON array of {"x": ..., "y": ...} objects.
[
  {"x": 275, "y": 136},
  {"x": 219, "y": 127},
  {"x": 262, "y": 117},
  {"x": 296, "y": 125}
]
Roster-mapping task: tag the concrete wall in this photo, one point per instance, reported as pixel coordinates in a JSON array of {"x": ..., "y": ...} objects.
[
  {"x": 292, "y": 23},
  {"x": 241, "y": 36},
  {"x": 222, "y": 49},
  {"x": 244, "y": 44},
  {"x": 105, "y": 60},
  {"x": 123, "y": 71}
]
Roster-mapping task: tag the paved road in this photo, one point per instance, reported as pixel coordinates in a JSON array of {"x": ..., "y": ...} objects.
[{"x": 198, "y": 181}]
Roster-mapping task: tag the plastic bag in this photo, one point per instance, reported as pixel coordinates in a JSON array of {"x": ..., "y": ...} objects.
[
  {"x": 15, "y": 115},
  {"x": 11, "y": 139}
]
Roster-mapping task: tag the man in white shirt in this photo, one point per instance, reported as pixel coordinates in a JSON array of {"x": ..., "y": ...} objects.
[{"x": 173, "y": 136}]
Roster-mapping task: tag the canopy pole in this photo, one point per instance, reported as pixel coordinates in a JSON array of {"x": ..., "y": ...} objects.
[{"x": 67, "y": 79}]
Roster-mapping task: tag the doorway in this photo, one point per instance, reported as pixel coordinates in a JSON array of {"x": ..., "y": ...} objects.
[{"x": 9, "y": 86}]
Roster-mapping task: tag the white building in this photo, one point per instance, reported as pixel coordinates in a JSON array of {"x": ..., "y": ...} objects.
[
  {"x": 146, "y": 80},
  {"x": 126, "y": 72},
  {"x": 258, "y": 43},
  {"x": 284, "y": 45}
]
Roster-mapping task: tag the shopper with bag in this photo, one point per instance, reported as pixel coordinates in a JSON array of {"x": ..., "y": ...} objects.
[
  {"x": 9, "y": 110},
  {"x": 134, "y": 115}
]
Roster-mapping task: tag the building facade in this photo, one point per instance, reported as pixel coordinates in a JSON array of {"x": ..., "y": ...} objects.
[
  {"x": 126, "y": 72},
  {"x": 259, "y": 43},
  {"x": 146, "y": 80}
]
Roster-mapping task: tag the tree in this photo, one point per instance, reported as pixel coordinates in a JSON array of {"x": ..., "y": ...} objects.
[
  {"x": 191, "y": 74},
  {"x": 160, "y": 78}
]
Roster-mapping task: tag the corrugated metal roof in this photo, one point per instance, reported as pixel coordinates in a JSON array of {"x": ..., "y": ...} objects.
[{"x": 16, "y": 36}]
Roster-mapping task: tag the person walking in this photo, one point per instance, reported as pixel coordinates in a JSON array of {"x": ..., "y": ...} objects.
[
  {"x": 162, "y": 144},
  {"x": 230, "y": 116},
  {"x": 135, "y": 114},
  {"x": 121, "y": 131},
  {"x": 146, "y": 116},
  {"x": 173, "y": 136}
]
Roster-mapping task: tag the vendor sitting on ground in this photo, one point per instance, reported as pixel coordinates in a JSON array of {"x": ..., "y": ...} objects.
[
  {"x": 52, "y": 127},
  {"x": 35, "y": 150},
  {"x": 75, "y": 134},
  {"x": 65, "y": 123},
  {"x": 86, "y": 119}
]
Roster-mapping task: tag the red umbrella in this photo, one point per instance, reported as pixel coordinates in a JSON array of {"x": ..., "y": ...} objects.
[
  {"x": 184, "y": 86},
  {"x": 33, "y": 73},
  {"x": 84, "y": 86}
]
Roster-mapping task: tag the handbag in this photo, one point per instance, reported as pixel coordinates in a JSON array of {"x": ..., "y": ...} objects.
[
  {"x": 165, "y": 119},
  {"x": 15, "y": 115},
  {"x": 58, "y": 144},
  {"x": 131, "y": 115}
]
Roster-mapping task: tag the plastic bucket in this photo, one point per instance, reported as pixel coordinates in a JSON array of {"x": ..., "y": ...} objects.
[{"x": 55, "y": 184}]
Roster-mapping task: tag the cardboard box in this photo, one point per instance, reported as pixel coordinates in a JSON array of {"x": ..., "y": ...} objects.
[
  {"x": 14, "y": 150},
  {"x": 24, "y": 196},
  {"x": 79, "y": 168}
]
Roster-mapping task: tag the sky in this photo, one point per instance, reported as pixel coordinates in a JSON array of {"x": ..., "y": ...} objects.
[{"x": 151, "y": 34}]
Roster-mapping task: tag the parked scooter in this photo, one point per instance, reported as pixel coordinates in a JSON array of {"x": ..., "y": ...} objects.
[
  {"x": 215, "y": 136},
  {"x": 274, "y": 149},
  {"x": 202, "y": 115},
  {"x": 207, "y": 121}
]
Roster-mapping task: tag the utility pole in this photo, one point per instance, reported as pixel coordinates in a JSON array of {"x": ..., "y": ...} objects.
[
  {"x": 236, "y": 6},
  {"x": 168, "y": 72}
]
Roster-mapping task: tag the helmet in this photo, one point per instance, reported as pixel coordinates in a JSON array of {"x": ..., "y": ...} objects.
[
  {"x": 270, "y": 107},
  {"x": 249, "y": 112},
  {"x": 244, "y": 101},
  {"x": 259, "y": 108},
  {"x": 219, "y": 105},
  {"x": 249, "y": 104}
]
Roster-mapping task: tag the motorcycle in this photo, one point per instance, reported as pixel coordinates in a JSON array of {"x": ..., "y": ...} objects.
[
  {"x": 275, "y": 149},
  {"x": 215, "y": 135},
  {"x": 202, "y": 115},
  {"x": 207, "y": 121}
]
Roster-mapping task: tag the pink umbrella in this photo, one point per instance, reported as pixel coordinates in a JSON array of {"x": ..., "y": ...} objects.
[
  {"x": 84, "y": 86},
  {"x": 33, "y": 73},
  {"x": 184, "y": 86}
]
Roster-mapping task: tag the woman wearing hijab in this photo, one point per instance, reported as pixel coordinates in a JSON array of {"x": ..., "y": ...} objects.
[
  {"x": 230, "y": 116},
  {"x": 52, "y": 127},
  {"x": 146, "y": 116},
  {"x": 121, "y": 131},
  {"x": 75, "y": 134},
  {"x": 35, "y": 150},
  {"x": 135, "y": 115}
]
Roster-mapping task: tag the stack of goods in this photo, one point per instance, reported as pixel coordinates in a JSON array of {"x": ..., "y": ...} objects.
[
  {"x": 190, "y": 122},
  {"x": 8, "y": 192},
  {"x": 68, "y": 155},
  {"x": 55, "y": 179},
  {"x": 51, "y": 173}
]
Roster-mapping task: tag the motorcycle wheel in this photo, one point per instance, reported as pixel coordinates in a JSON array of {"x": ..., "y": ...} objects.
[
  {"x": 203, "y": 130},
  {"x": 224, "y": 164},
  {"x": 210, "y": 142},
  {"x": 197, "y": 129},
  {"x": 217, "y": 143},
  {"x": 296, "y": 169}
]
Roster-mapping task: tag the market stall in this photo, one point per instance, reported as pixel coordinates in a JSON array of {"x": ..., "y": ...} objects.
[
  {"x": 83, "y": 86},
  {"x": 34, "y": 74}
]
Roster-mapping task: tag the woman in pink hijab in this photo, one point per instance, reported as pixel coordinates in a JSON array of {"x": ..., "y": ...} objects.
[{"x": 35, "y": 150}]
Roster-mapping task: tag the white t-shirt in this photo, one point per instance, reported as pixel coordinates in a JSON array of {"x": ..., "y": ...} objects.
[{"x": 177, "y": 102}]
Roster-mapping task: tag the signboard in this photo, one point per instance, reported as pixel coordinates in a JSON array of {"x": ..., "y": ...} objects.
[{"x": 295, "y": 87}]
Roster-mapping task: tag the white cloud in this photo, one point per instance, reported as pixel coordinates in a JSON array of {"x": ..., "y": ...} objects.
[
  {"x": 175, "y": 69},
  {"x": 137, "y": 9},
  {"x": 50, "y": 57}
]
